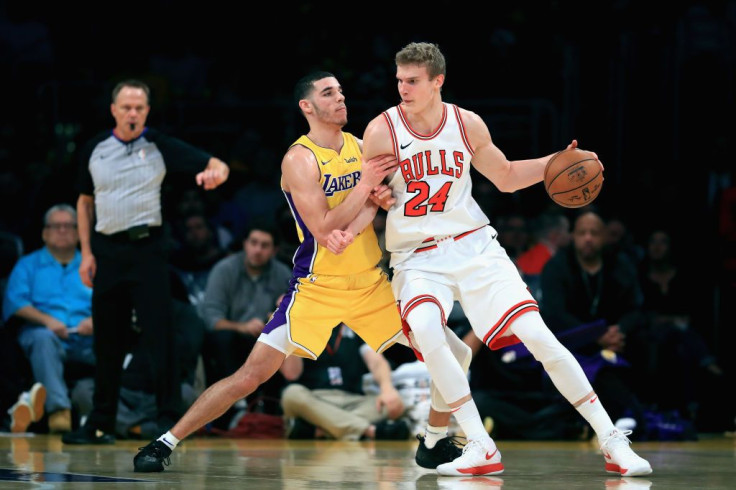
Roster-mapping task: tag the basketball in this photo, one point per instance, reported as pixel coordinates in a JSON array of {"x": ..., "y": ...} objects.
[{"x": 573, "y": 178}]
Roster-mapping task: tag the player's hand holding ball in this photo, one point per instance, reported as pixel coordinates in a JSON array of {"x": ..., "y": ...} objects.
[{"x": 573, "y": 177}]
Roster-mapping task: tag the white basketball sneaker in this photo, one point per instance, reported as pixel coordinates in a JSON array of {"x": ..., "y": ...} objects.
[
  {"x": 620, "y": 458},
  {"x": 478, "y": 458}
]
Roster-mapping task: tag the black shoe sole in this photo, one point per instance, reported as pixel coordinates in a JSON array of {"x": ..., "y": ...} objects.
[{"x": 148, "y": 469}]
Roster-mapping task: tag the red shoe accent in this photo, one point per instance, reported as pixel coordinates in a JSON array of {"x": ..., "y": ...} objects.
[{"x": 482, "y": 470}]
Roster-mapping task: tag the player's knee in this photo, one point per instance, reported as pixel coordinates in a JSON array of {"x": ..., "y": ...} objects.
[
  {"x": 425, "y": 322},
  {"x": 243, "y": 384},
  {"x": 546, "y": 348},
  {"x": 537, "y": 338},
  {"x": 561, "y": 357}
]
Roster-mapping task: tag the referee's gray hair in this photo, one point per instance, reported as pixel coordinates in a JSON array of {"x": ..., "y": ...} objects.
[
  {"x": 131, "y": 82},
  {"x": 59, "y": 207}
]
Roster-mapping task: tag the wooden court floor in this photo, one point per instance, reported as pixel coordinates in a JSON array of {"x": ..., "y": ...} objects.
[{"x": 42, "y": 462}]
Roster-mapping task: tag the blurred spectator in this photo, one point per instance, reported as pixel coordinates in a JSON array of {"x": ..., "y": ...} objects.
[
  {"x": 681, "y": 372},
  {"x": 199, "y": 252},
  {"x": 618, "y": 239},
  {"x": 326, "y": 396},
  {"x": 513, "y": 234},
  {"x": 551, "y": 232},
  {"x": 597, "y": 296},
  {"x": 261, "y": 196},
  {"x": 197, "y": 201},
  {"x": 47, "y": 299},
  {"x": 229, "y": 213},
  {"x": 242, "y": 292}
]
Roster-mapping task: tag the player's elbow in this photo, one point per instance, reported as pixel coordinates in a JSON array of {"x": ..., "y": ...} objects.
[{"x": 507, "y": 181}]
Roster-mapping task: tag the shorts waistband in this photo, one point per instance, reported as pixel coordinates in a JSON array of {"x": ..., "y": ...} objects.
[{"x": 431, "y": 242}]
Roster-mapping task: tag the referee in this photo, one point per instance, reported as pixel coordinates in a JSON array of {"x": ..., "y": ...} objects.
[{"x": 123, "y": 252}]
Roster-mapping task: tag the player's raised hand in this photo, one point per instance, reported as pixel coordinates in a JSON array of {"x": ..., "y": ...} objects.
[{"x": 338, "y": 241}]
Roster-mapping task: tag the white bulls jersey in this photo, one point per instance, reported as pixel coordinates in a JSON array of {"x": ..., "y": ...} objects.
[{"x": 432, "y": 184}]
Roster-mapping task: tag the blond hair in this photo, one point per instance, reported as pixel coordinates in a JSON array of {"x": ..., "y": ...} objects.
[{"x": 423, "y": 54}]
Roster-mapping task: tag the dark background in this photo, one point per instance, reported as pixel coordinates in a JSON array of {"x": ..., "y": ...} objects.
[{"x": 651, "y": 89}]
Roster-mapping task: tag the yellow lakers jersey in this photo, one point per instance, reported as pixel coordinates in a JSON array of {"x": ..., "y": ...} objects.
[{"x": 339, "y": 173}]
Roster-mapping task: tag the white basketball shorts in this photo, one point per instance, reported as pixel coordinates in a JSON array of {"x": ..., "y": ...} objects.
[{"x": 473, "y": 269}]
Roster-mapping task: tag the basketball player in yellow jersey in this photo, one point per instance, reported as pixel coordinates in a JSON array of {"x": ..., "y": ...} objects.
[
  {"x": 333, "y": 196},
  {"x": 324, "y": 184}
]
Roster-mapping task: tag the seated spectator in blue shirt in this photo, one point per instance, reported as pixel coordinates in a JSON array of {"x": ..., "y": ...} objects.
[{"x": 45, "y": 297}]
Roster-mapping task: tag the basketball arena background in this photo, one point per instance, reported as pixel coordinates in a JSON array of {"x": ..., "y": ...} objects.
[{"x": 651, "y": 89}]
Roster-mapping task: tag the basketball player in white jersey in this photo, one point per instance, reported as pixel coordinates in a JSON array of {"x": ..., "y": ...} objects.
[{"x": 444, "y": 249}]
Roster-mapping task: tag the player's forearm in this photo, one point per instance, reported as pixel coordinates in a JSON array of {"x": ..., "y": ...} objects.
[
  {"x": 339, "y": 217},
  {"x": 522, "y": 174},
  {"x": 365, "y": 217}
]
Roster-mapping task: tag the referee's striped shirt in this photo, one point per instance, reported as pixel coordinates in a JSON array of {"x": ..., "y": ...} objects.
[{"x": 125, "y": 177}]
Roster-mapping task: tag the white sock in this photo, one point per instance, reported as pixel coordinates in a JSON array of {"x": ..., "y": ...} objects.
[
  {"x": 468, "y": 418},
  {"x": 592, "y": 410},
  {"x": 432, "y": 435},
  {"x": 170, "y": 440}
]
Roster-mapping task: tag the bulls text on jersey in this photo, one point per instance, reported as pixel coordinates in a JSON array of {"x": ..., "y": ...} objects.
[{"x": 422, "y": 163}]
